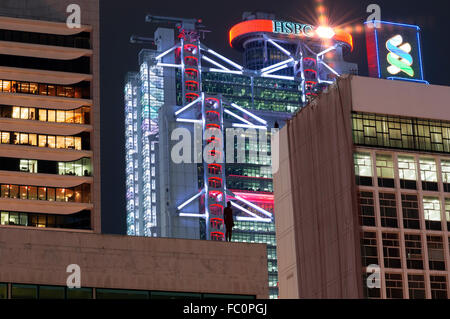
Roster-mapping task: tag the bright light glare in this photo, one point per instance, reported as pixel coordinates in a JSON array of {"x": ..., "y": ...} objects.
[{"x": 325, "y": 32}]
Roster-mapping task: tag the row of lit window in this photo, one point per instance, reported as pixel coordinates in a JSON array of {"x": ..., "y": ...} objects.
[
  {"x": 408, "y": 167},
  {"x": 260, "y": 171},
  {"x": 254, "y": 238},
  {"x": 8, "y": 86},
  {"x": 254, "y": 226},
  {"x": 81, "y": 167},
  {"x": 397, "y": 132},
  {"x": 51, "y": 141},
  {"x": 78, "y": 194},
  {"x": 26, "y": 291},
  {"x": 75, "y": 221},
  {"x": 415, "y": 286},
  {"x": 431, "y": 206},
  {"x": 78, "y": 116},
  {"x": 413, "y": 250}
]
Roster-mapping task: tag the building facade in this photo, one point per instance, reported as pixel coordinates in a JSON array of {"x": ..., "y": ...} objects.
[
  {"x": 377, "y": 222},
  {"x": 49, "y": 115},
  {"x": 172, "y": 90}
]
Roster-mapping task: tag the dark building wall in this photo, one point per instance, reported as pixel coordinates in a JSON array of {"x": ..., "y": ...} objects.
[{"x": 324, "y": 197}]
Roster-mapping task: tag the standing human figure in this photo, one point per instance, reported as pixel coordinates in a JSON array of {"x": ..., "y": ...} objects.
[{"x": 229, "y": 222}]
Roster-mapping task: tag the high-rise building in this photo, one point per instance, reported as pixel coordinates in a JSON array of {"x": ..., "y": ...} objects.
[
  {"x": 49, "y": 176},
  {"x": 49, "y": 116},
  {"x": 362, "y": 196},
  {"x": 184, "y": 85}
]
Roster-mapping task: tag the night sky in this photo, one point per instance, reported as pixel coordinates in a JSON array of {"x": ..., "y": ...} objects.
[{"x": 121, "y": 19}]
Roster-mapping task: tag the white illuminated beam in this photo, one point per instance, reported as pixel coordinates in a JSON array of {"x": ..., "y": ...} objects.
[
  {"x": 259, "y": 209},
  {"x": 277, "y": 69},
  {"x": 224, "y": 71},
  {"x": 189, "y": 121},
  {"x": 249, "y": 113},
  {"x": 169, "y": 65},
  {"x": 238, "y": 117},
  {"x": 279, "y": 77},
  {"x": 327, "y": 50},
  {"x": 251, "y": 219},
  {"x": 279, "y": 47},
  {"x": 325, "y": 81},
  {"x": 166, "y": 52},
  {"x": 256, "y": 217},
  {"x": 187, "y": 106},
  {"x": 191, "y": 215},
  {"x": 330, "y": 68},
  {"x": 237, "y": 66},
  {"x": 190, "y": 200},
  {"x": 276, "y": 65},
  {"x": 215, "y": 63},
  {"x": 259, "y": 127}
]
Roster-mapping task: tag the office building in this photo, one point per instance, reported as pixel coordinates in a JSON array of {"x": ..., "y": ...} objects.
[
  {"x": 184, "y": 83},
  {"x": 363, "y": 193}
]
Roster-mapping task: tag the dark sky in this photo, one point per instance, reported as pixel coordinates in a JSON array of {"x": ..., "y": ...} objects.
[{"x": 121, "y": 19}]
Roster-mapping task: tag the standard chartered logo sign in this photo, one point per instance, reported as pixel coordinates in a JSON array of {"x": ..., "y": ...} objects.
[{"x": 398, "y": 57}]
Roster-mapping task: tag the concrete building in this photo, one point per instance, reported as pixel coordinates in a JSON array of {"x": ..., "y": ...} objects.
[
  {"x": 50, "y": 179},
  {"x": 364, "y": 181}
]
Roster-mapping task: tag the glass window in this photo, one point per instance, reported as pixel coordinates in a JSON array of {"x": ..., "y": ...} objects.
[
  {"x": 428, "y": 170},
  {"x": 51, "y": 194},
  {"x": 4, "y": 218},
  {"x": 14, "y": 189},
  {"x": 5, "y": 137},
  {"x": 60, "y": 116},
  {"x": 3, "y": 291},
  {"x": 42, "y": 141},
  {"x": 32, "y": 192},
  {"x": 23, "y": 291},
  {"x": 78, "y": 143},
  {"x": 5, "y": 191},
  {"x": 51, "y": 115},
  {"x": 174, "y": 295},
  {"x": 70, "y": 143},
  {"x": 363, "y": 164},
  {"x": 42, "y": 193},
  {"x": 51, "y": 292},
  {"x": 23, "y": 219},
  {"x": 32, "y": 139},
  {"x": 79, "y": 293},
  {"x": 60, "y": 195},
  {"x": 23, "y": 138},
  {"x": 60, "y": 142},
  {"x": 432, "y": 212},
  {"x": 23, "y": 192},
  {"x": 51, "y": 140},
  {"x": 16, "y": 112},
  {"x": 121, "y": 294},
  {"x": 43, "y": 115},
  {"x": 24, "y": 113}
]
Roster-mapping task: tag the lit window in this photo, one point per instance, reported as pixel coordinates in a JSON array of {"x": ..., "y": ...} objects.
[{"x": 428, "y": 170}]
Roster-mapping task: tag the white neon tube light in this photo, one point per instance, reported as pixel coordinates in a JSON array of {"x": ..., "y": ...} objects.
[
  {"x": 330, "y": 68},
  {"x": 276, "y": 69},
  {"x": 170, "y": 65},
  {"x": 276, "y": 65},
  {"x": 245, "y": 210},
  {"x": 166, "y": 52},
  {"x": 192, "y": 215},
  {"x": 215, "y": 63},
  {"x": 237, "y": 66},
  {"x": 187, "y": 106},
  {"x": 327, "y": 50},
  {"x": 280, "y": 77},
  {"x": 190, "y": 200},
  {"x": 224, "y": 71},
  {"x": 248, "y": 113},
  {"x": 189, "y": 121},
  {"x": 259, "y": 209},
  {"x": 238, "y": 117},
  {"x": 259, "y": 127}
]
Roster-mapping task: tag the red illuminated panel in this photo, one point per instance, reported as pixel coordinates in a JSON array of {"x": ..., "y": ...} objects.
[
  {"x": 343, "y": 36},
  {"x": 257, "y": 25},
  {"x": 255, "y": 197}
]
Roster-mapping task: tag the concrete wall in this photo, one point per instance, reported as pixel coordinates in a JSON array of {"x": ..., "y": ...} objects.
[
  {"x": 112, "y": 261},
  {"x": 317, "y": 227}
]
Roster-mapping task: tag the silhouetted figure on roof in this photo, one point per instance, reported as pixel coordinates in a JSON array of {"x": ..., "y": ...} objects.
[
  {"x": 276, "y": 125},
  {"x": 229, "y": 222}
]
